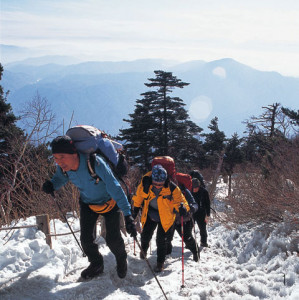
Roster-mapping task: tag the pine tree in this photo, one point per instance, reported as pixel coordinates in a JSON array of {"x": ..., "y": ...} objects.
[
  {"x": 274, "y": 121},
  {"x": 8, "y": 120},
  {"x": 139, "y": 135},
  {"x": 264, "y": 131},
  {"x": 169, "y": 111},
  {"x": 214, "y": 143},
  {"x": 233, "y": 156},
  {"x": 293, "y": 117},
  {"x": 160, "y": 124}
]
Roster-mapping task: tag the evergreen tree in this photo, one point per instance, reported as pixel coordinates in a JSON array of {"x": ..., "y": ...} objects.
[
  {"x": 214, "y": 143},
  {"x": 272, "y": 127},
  {"x": 271, "y": 122},
  {"x": 160, "y": 124},
  {"x": 8, "y": 120},
  {"x": 139, "y": 135},
  {"x": 293, "y": 117},
  {"x": 264, "y": 131},
  {"x": 233, "y": 156},
  {"x": 168, "y": 109},
  {"x": 292, "y": 114}
]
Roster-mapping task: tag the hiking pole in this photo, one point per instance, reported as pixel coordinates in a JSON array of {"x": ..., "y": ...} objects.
[
  {"x": 134, "y": 248},
  {"x": 182, "y": 234},
  {"x": 144, "y": 255},
  {"x": 59, "y": 207},
  {"x": 196, "y": 245}
]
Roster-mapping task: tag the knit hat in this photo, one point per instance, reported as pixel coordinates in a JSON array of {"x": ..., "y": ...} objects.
[
  {"x": 63, "y": 144},
  {"x": 159, "y": 174},
  {"x": 196, "y": 174},
  {"x": 195, "y": 183}
]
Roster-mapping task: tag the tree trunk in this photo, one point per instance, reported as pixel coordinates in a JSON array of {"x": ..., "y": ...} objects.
[{"x": 212, "y": 189}]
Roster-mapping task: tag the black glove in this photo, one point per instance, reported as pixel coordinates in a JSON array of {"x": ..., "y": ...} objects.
[
  {"x": 135, "y": 212},
  {"x": 130, "y": 226},
  {"x": 48, "y": 187},
  {"x": 182, "y": 210}
]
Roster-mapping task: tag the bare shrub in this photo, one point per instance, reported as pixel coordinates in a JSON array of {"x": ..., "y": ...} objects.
[
  {"x": 26, "y": 166},
  {"x": 268, "y": 193}
]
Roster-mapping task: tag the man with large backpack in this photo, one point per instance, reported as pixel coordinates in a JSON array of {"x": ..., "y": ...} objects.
[{"x": 102, "y": 195}]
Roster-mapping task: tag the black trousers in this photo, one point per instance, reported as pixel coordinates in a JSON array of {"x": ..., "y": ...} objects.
[
  {"x": 162, "y": 238},
  {"x": 188, "y": 237},
  {"x": 114, "y": 240},
  {"x": 202, "y": 225}
]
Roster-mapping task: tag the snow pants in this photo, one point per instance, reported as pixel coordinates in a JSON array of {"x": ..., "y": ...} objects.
[
  {"x": 162, "y": 238},
  {"x": 199, "y": 218},
  {"x": 114, "y": 240},
  {"x": 188, "y": 237}
]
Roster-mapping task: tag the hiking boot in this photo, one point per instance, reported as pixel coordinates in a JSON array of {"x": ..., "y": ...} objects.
[
  {"x": 204, "y": 245},
  {"x": 159, "y": 267},
  {"x": 93, "y": 270},
  {"x": 122, "y": 268}
]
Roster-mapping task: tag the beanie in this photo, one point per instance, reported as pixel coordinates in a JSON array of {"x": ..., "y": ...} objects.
[
  {"x": 159, "y": 174},
  {"x": 196, "y": 174},
  {"x": 195, "y": 183},
  {"x": 63, "y": 144}
]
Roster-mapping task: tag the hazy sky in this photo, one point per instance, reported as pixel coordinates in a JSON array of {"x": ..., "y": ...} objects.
[{"x": 263, "y": 34}]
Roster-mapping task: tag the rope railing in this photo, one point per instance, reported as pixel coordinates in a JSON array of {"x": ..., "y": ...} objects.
[
  {"x": 61, "y": 234},
  {"x": 43, "y": 224},
  {"x": 18, "y": 227}
]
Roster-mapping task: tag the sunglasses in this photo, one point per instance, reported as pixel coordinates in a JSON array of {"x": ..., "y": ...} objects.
[{"x": 158, "y": 183}]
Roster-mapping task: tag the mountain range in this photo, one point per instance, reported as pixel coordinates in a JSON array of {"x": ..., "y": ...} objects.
[{"x": 104, "y": 93}]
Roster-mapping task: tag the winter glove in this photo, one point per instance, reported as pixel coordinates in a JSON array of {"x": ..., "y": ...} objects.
[
  {"x": 130, "y": 226},
  {"x": 182, "y": 210},
  {"x": 135, "y": 212},
  {"x": 48, "y": 187}
]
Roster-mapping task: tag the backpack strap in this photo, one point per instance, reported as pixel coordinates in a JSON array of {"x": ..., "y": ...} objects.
[
  {"x": 91, "y": 160},
  {"x": 147, "y": 181},
  {"x": 172, "y": 186}
]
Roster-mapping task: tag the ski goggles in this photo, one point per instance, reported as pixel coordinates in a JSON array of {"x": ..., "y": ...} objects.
[{"x": 103, "y": 208}]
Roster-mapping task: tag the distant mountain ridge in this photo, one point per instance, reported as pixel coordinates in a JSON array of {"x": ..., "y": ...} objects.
[{"x": 104, "y": 93}]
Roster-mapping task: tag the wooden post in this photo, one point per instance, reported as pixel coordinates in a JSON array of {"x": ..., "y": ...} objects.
[{"x": 43, "y": 224}]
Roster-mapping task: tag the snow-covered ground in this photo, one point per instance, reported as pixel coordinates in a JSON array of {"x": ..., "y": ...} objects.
[{"x": 241, "y": 263}]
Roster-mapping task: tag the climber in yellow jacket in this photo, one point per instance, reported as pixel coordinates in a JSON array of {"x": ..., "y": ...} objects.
[{"x": 160, "y": 200}]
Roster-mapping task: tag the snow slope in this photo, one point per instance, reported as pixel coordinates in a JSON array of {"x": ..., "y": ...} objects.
[{"x": 241, "y": 263}]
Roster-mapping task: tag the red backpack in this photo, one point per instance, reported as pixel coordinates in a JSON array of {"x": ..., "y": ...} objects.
[
  {"x": 185, "y": 180},
  {"x": 168, "y": 164}
]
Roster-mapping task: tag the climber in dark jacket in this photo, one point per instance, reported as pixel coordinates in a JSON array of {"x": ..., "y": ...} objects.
[
  {"x": 201, "y": 217},
  {"x": 187, "y": 225}
]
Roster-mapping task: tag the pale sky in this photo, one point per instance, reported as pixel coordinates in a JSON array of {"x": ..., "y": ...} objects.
[{"x": 263, "y": 34}]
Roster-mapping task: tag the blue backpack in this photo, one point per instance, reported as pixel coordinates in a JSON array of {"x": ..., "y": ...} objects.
[{"x": 92, "y": 141}]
